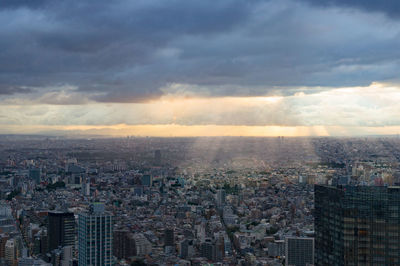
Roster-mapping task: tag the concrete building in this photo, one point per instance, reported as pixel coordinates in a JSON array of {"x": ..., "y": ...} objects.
[
  {"x": 142, "y": 245},
  {"x": 10, "y": 251},
  {"x": 276, "y": 248}
]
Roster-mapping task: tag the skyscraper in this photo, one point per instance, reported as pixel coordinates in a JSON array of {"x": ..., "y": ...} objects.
[
  {"x": 95, "y": 236},
  {"x": 208, "y": 250},
  {"x": 221, "y": 197},
  {"x": 184, "y": 248},
  {"x": 123, "y": 244},
  {"x": 220, "y": 248},
  {"x": 169, "y": 237},
  {"x": 34, "y": 174},
  {"x": 61, "y": 229},
  {"x": 299, "y": 251},
  {"x": 147, "y": 180},
  {"x": 357, "y": 225}
]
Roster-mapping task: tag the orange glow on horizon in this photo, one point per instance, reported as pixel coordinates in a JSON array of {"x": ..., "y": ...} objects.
[{"x": 174, "y": 130}]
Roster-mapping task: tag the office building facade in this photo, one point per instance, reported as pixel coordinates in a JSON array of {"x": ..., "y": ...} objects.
[
  {"x": 123, "y": 244},
  {"x": 147, "y": 180},
  {"x": 299, "y": 251},
  {"x": 34, "y": 174},
  {"x": 95, "y": 237},
  {"x": 61, "y": 230},
  {"x": 169, "y": 238},
  {"x": 357, "y": 225},
  {"x": 221, "y": 196}
]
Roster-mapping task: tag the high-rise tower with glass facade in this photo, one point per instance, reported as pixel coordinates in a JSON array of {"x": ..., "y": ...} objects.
[
  {"x": 357, "y": 225},
  {"x": 61, "y": 229},
  {"x": 95, "y": 237}
]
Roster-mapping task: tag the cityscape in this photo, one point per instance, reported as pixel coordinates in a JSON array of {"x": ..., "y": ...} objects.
[
  {"x": 200, "y": 132},
  {"x": 199, "y": 201}
]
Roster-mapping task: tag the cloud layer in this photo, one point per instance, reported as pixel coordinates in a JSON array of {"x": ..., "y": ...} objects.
[
  {"x": 388, "y": 7},
  {"x": 259, "y": 66},
  {"x": 130, "y": 51},
  {"x": 344, "y": 107}
]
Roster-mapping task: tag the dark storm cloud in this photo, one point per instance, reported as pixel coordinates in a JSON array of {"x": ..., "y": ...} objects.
[
  {"x": 388, "y": 7},
  {"x": 103, "y": 46},
  {"x": 24, "y": 3},
  {"x": 127, "y": 51}
]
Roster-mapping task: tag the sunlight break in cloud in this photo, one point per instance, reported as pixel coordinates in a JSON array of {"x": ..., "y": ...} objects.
[{"x": 351, "y": 111}]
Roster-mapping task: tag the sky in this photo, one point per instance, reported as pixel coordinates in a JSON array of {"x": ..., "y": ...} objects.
[{"x": 200, "y": 68}]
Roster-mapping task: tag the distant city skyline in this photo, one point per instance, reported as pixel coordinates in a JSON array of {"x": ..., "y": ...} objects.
[
  {"x": 200, "y": 68},
  {"x": 199, "y": 201}
]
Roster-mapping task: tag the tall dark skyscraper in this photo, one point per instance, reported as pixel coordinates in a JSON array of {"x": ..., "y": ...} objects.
[
  {"x": 61, "y": 229},
  {"x": 169, "y": 237},
  {"x": 123, "y": 244},
  {"x": 299, "y": 251},
  {"x": 208, "y": 250},
  {"x": 357, "y": 225}
]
